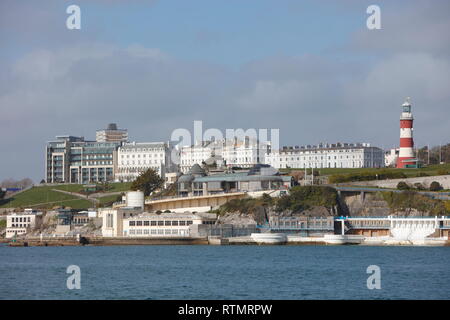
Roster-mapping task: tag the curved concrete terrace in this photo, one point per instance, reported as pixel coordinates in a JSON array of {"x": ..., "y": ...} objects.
[{"x": 211, "y": 201}]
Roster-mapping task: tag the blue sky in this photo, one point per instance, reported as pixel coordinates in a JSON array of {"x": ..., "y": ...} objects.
[{"x": 309, "y": 68}]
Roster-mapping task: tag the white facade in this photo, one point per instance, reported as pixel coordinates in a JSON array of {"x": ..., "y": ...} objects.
[
  {"x": 162, "y": 225},
  {"x": 327, "y": 156},
  {"x": 170, "y": 178},
  {"x": 20, "y": 223},
  {"x": 135, "y": 199},
  {"x": 112, "y": 220},
  {"x": 390, "y": 157},
  {"x": 234, "y": 153},
  {"x": 129, "y": 222},
  {"x": 136, "y": 157}
]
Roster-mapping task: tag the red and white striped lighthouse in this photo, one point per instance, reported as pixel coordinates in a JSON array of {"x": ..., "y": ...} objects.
[{"x": 406, "y": 154}]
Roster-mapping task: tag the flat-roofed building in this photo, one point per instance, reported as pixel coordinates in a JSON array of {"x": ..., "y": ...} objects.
[
  {"x": 243, "y": 153},
  {"x": 164, "y": 224},
  {"x": 112, "y": 225},
  {"x": 20, "y": 223},
  {"x": 339, "y": 155},
  {"x": 58, "y": 158},
  {"x": 137, "y": 157},
  {"x": 71, "y": 159},
  {"x": 111, "y": 134}
]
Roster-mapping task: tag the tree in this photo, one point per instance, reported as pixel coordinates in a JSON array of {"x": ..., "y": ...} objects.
[
  {"x": 435, "y": 186},
  {"x": 147, "y": 182},
  {"x": 2, "y": 193}
]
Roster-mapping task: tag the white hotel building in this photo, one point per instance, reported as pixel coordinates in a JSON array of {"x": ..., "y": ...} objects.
[
  {"x": 136, "y": 157},
  {"x": 20, "y": 223},
  {"x": 339, "y": 155},
  {"x": 232, "y": 153}
]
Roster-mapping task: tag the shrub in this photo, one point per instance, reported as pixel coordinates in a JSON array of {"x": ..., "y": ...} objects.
[
  {"x": 407, "y": 200},
  {"x": 447, "y": 206},
  {"x": 419, "y": 186},
  {"x": 435, "y": 186},
  {"x": 301, "y": 198},
  {"x": 402, "y": 185},
  {"x": 442, "y": 172}
]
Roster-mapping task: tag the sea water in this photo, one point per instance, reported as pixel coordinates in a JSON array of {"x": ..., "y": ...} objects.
[{"x": 225, "y": 272}]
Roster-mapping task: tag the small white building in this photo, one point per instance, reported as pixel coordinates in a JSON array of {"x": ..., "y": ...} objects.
[
  {"x": 137, "y": 157},
  {"x": 20, "y": 223},
  {"x": 132, "y": 222},
  {"x": 339, "y": 155},
  {"x": 112, "y": 220},
  {"x": 170, "y": 178},
  {"x": 390, "y": 157},
  {"x": 164, "y": 224}
]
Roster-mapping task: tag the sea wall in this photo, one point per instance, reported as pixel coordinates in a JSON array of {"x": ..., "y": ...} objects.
[{"x": 444, "y": 180}]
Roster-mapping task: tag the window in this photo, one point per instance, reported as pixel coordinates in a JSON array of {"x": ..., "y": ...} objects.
[
  {"x": 182, "y": 223},
  {"x": 160, "y": 223},
  {"x": 132, "y": 224},
  {"x": 146, "y": 223},
  {"x": 153, "y": 223},
  {"x": 174, "y": 223},
  {"x": 189, "y": 222},
  {"x": 139, "y": 223},
  {"x": 167, "y": 223}
]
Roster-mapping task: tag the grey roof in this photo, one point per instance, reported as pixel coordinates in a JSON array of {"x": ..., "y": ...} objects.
[
  {"x": 186, "y": 178},
  {"x": 196, "y": 170}
]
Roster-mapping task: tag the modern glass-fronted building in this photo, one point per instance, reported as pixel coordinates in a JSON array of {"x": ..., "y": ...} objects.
[{"x": 71, "y": 159}]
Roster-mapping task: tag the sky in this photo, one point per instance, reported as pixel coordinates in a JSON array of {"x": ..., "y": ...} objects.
[{"x": 311, "y": 69}]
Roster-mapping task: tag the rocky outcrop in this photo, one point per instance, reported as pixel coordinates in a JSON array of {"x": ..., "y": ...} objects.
[
  {"x": 373, "y": 205},
  {"x": 261, "y": 215}
]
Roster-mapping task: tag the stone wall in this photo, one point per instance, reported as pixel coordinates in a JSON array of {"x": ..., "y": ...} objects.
[{"x": 444, "y": 180}]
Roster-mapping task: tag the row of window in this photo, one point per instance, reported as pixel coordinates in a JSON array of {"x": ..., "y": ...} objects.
[
  {"x": 160, "y": 155},
  {"x": 21, "y": 219},
  {"x": 20, "y": 225},
  {"x": 133, "y": 223},
  {"x": 128, "y": 162},
  {"x": 142, "y": 150},
  {"x": 158, "y": 232}
]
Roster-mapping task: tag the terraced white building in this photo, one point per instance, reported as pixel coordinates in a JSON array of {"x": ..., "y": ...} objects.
[{"x": 339, "y": 155}]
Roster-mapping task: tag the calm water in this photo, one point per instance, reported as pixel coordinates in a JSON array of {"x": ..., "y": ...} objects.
[{"x": 225, "y": 272}]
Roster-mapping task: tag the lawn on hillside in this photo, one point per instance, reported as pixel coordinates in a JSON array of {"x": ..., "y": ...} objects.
[
  {"x": 44, "y": 197},
  {"x": 430, "y": 170}
]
